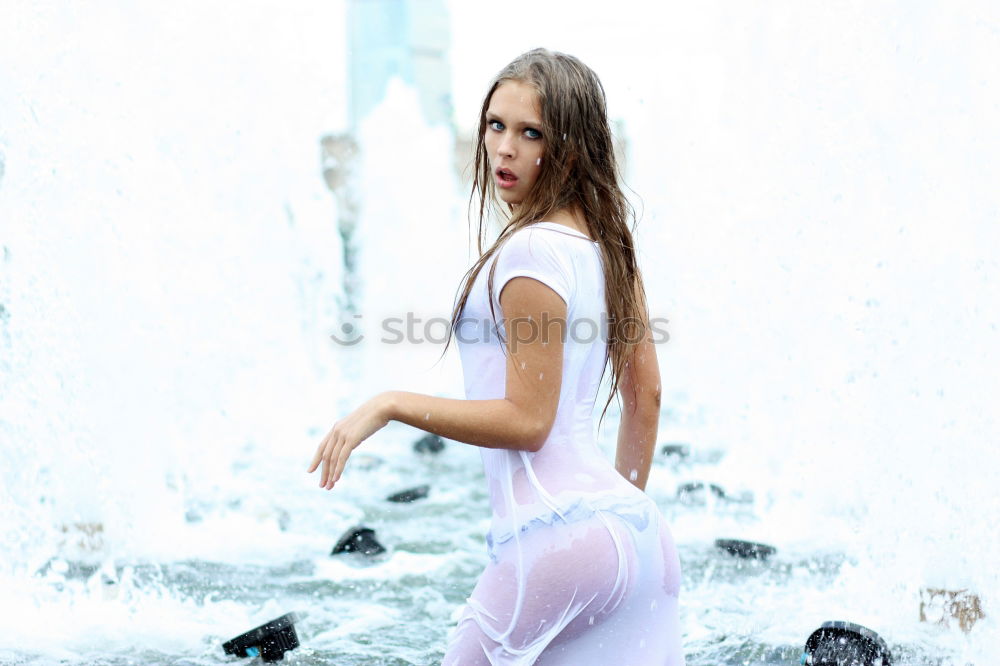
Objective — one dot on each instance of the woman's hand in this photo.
(346, 435)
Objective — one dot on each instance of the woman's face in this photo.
(513, 140)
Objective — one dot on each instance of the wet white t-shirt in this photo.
(560, 508)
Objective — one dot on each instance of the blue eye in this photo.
(498, 126)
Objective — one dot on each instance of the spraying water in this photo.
(168, 275)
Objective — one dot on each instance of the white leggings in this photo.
(597, 591)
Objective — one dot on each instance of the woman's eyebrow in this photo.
(495, 116)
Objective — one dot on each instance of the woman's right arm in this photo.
(639, 388)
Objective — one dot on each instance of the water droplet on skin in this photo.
(538, 161)
(427, 416)
(541, 374)
(523, 365)
(633, 475)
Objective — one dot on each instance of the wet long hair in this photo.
(578, 169)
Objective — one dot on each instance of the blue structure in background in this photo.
(404, 38)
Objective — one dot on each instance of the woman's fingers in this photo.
(321, 456)
(322, 472)
(331, 460)
(316, 458)
(343, 454)
(332, 454)
(331, 447)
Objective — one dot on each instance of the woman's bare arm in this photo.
(521, 420)
(639, 387)
(493, 424)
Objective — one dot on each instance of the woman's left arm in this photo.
(521, 420)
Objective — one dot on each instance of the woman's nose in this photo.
(506, 147)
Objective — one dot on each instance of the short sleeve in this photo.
(535, 254)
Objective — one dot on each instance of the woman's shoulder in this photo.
(547, 237)
(564, 230)
(540, 239)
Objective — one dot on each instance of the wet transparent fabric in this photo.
(582, 566)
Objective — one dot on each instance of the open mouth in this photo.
(506, 176)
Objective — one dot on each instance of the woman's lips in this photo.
(505, 179)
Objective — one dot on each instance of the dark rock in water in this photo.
(358, 540)
(694, 492)
(846, 644)
(746, 549)
(676, 450)
(410, 494)
(269, 641)
(693, 487)
(430, 443)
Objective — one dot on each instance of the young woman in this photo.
(583, 568)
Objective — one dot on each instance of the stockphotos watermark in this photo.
(411, 329)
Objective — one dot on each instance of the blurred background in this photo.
(194, 197)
